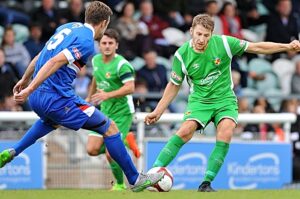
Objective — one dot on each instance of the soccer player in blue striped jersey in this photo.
(52, 97)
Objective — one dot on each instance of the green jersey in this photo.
(112, 76)
(208, 73)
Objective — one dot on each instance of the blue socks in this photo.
(117, 151)
(38, 130)
(98, 122)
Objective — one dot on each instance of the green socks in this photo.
(117, 172)
(169, 152)
(102, 149)
(216, 160)
(115, 168)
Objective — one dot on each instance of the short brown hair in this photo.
(97, 12)
(204, 20)
(112, 33)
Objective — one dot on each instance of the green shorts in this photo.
(123, 123)
(204, 113)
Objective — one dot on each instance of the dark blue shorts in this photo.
(54, 109)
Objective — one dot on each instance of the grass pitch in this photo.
(103, 194)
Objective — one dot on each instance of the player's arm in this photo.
(24, 81)
(271, 47)
(50, 67)
(47, 69)
(100, 95)
(171, 90)
(170, 93)
(126, 89)
(92, 90)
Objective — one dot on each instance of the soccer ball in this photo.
(165, 184)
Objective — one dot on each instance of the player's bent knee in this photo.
(185, 135)
(97, 123)
(112, 130)
(93, 148)
(92, 151)
(225, 135)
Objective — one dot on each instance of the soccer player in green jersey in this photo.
(205, 61)
(112, 86)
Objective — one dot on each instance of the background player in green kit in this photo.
(205, 61)
(112, 86)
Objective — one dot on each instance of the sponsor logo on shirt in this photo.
(103, 85)
(175, 76)
(195, 66)
(76, 53)
(210, 78)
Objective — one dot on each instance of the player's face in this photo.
(108, 46)
(200, 37)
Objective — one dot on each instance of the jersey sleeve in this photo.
(125, 71)
(177, 74)
(237, 46)
(79, 52)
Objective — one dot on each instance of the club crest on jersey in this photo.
(76, 53)
(187, 113)
(217, 61)
(107, 75)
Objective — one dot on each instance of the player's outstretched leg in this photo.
(6, 156)
(146, 180)
(99, 123)
(38, 130)
(169, 152)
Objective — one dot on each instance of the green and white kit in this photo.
(209, 76)
(112, 76)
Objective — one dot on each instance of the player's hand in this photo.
(295, 45)
(88, 99)
(99, 96)
(20, 86)
(21, 97)
(151, 118)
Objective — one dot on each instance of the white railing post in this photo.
(287, 131)
(140, 141)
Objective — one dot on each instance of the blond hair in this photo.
(97, 12)
(204, 20)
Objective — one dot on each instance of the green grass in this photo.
(101, 194)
